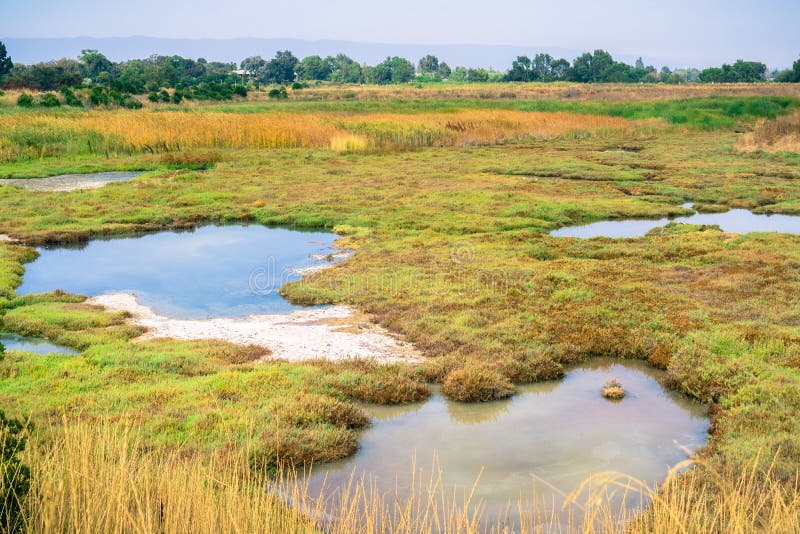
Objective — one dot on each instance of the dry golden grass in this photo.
(537, 91)
(168, 131)
(778, 135)
(478, 127)
(102, 479)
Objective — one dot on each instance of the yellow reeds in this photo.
(33, 135)
(478, 127)
(105, 479)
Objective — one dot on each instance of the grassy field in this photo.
(448, 202)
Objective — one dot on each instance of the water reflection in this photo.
(547, 439)
(736, 220)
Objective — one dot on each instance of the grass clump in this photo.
(369, 381)
(613, 390)
(476, 383)
(528, 367)
(310, 409)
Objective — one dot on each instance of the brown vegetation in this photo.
(541, 91)
(778, 135)
(613, 390)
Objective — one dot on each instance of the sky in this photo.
(697, 32)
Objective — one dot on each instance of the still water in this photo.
(212, 271)
(33, 344)
(544, 441)
(738, 221)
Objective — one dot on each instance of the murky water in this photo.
(542, 442)
(33, 344)
(213, 271)
(738, 221)
(71, 182)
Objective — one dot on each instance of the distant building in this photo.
(243, 74)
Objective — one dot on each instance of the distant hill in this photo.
(34, 50)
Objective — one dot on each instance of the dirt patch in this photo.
(332, 333)
(70, 182)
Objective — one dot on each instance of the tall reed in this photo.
(36, 135)
(103, 479)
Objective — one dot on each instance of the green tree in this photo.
(791, 75)
(393, 70)
(542, 67)
(588, 68)
(521, 70)
(5, 61)
(429, 65)
(559, 69)
(345, 70)
(741, 71)
(444, 71)
(459, 74)
(477, 75)
(94, 63)
(281, 68)
(315, 68)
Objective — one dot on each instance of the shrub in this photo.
(25, 101)
(130, 103)
(49, 100)
(177, 97)
(153, 97)
(15, 475)
(70, 98)
(278, 93)
(529, 367)
(477, 383)
(99, 97)
(164, 96)
(240, 90)
(613, 390)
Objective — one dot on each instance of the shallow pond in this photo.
(548, 438)
(737, 220)
(71, 182)
(33, 344)
(212, 271)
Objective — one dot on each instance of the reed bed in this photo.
(537, 91)
(40, 135)
(104, 479)
(480, 127)
(778, 135)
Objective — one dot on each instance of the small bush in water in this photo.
(613, 390)
(477, 383)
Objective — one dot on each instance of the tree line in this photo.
(215, 80)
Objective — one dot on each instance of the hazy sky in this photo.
(691, 31)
